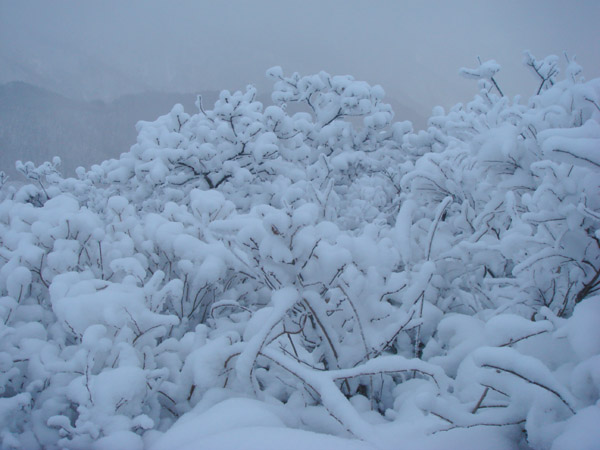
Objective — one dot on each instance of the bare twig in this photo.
(502, 424)
(438, 215)
(478, 405)
(540, 385)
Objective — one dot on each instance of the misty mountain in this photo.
(37, 124)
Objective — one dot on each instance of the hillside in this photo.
(36, 124)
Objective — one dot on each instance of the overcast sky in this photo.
(102, 49)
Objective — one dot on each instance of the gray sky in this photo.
(102, 49)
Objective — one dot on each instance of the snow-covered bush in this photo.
(352, 277)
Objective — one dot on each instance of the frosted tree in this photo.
(330, 264)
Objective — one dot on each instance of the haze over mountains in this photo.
(37, 124)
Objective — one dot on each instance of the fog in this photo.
(104, 49)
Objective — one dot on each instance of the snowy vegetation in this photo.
(329, 271)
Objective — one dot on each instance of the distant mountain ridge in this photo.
(37, 124)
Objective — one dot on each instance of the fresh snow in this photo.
(245, 277)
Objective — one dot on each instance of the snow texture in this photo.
(246, 277)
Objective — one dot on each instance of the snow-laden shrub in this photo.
(350, 274)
